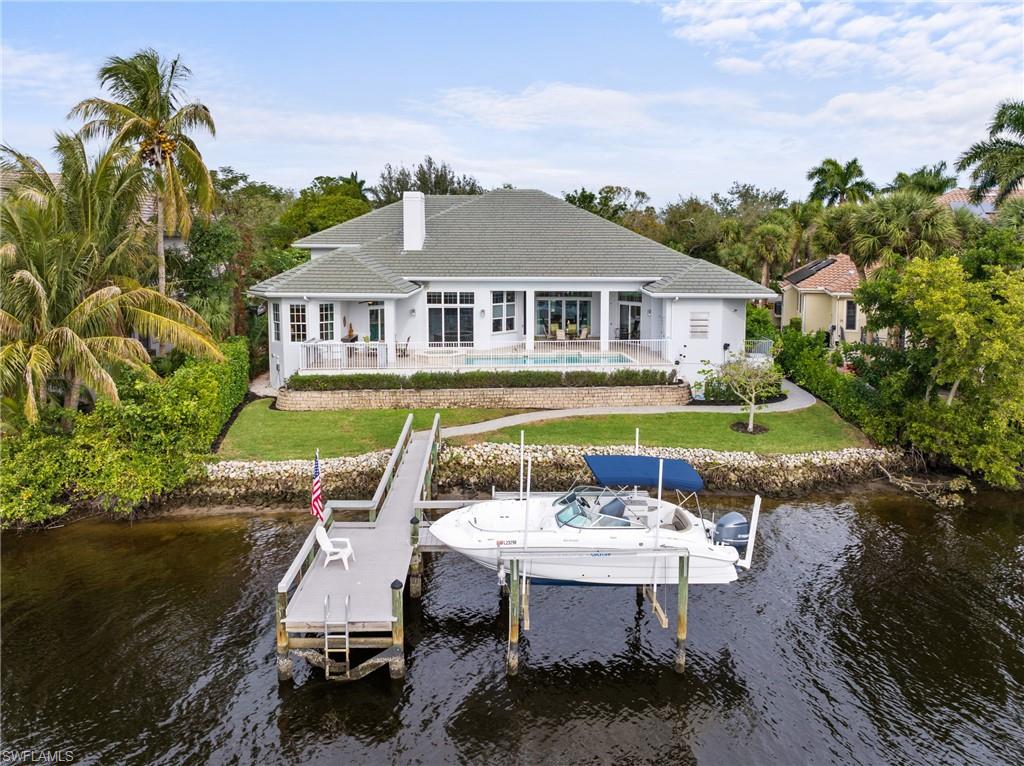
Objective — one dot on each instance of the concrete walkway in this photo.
(260, 385)
(796, 399)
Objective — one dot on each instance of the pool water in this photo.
(567, 358)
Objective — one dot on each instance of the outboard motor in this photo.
(733, 529)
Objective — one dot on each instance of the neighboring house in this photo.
(956, 199)
(820, 295)
(510, 279)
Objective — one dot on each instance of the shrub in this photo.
(120, 456)
(480, 379)
(761, 323)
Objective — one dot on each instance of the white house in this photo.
(509, 279)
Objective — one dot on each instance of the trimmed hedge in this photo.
(480, 379)
(121, 456)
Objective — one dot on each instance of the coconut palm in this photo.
(927, 180)
(67, 308)
(836, 183)
(998, 163)
(147, 111)
(893, 228)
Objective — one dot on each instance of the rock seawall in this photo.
(555, 467)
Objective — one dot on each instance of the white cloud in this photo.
(867, 26)
(737, 65)
(54, 78)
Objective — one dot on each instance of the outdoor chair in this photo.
(559, 334)
(402, 349)
(552, 330)
(584, 333)
(334, 548)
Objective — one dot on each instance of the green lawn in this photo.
(815, 428)
(260, 433)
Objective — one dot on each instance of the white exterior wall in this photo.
(407, 318)
(726, 324)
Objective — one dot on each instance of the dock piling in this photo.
(396, 665)
(512, 665)
(416, 562)
(284, 660)
(683, 603)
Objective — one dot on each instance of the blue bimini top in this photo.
(642, 471)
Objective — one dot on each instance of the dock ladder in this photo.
(343, 650)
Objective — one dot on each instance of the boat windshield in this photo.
(573, 515)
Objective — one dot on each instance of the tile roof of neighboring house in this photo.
(961, 198)
(510, 234)
(834, 275)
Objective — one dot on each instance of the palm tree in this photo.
(998, 163)
(927, 180)
(893, 228)
(803, 218)
(835, 231)
(147, 112)
(67, 308)
(836, 183)
(770, 245)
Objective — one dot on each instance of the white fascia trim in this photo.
(312, 294)
(722, 296)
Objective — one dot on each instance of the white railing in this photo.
(333, 356)
(760, 348)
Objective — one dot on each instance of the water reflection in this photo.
(872, 629)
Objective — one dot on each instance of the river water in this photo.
(872, 629)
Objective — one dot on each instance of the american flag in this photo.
(316, 501)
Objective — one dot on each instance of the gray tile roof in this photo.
(340, 271)
(376, 223)
(505, 233)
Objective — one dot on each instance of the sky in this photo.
(672, 99)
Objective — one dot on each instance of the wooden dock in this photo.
(335, 609)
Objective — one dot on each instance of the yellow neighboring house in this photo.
(820, 295)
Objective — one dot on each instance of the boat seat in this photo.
(679, 522)
(614, 507)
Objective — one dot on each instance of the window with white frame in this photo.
(275, 310)
(700, 324)
(297, 322)
(450, 317)
(503, 311)
(326, 321)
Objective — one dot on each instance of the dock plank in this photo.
(382, 555)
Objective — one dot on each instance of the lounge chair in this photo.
(584, 333)
(559, 334)
(334, 548)
(552, 330)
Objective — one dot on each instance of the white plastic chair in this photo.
(334, 548)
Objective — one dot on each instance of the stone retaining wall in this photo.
(510, 398)
(481, 466)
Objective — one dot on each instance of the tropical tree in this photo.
(147, 111)
(429, 177)
(893, 228)
(927, 180)
(68, 309)
(803, 219)
(326, 202)
(835, 231)
(998, 162)
(836, 183)
(771, 245)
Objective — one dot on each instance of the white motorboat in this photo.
(603, 535)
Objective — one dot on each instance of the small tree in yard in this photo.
(750, 382)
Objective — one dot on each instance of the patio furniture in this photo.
(559, 334)
(584, 333)
(570, 329)
(552, 330)
(334, 548)
(402, 349)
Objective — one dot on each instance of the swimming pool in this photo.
(559, 359)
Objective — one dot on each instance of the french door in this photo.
(629, 321)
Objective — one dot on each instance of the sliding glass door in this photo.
(566, 312)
